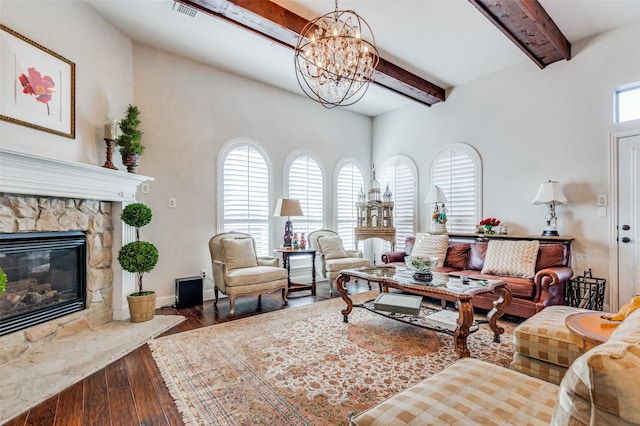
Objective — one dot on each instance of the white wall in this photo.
(104, 75)
(530, 125)
(188, 112)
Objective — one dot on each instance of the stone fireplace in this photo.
(39, 194)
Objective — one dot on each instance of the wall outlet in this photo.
(203, 273)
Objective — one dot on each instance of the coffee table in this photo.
(400, 278)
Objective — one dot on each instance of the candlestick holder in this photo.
(109, 164)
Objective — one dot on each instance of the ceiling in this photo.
(447, 42)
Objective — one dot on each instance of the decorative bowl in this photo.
(421, 266)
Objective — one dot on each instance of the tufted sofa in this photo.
(599, 388)
(530, 295)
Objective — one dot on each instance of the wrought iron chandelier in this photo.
(334, 61)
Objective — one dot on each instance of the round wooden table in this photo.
(588, 329)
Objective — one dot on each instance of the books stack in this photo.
(447, 320)
(398, 303)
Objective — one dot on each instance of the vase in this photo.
(131, 161)
(488, 229)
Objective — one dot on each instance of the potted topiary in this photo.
(139, 257)
(128, 141)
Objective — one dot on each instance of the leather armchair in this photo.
(237, 270)
(333, 256)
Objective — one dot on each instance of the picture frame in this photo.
(38, 86)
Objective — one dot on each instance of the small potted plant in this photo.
(129, 140)
(139, 257)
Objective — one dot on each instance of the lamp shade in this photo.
(288, 207)
(550, 192)
(436, 195)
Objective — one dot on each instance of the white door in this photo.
(628, 241)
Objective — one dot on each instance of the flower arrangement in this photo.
(488, 224)
(490, 221)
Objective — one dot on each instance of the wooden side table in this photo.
(286, 254)
(588, 329)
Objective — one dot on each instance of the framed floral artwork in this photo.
(38, 86)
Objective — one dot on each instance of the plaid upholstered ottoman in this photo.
(543, 345)
(599, 388)
(470, 392)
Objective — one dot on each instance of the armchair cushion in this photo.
(331, 247)
(431, 245)
(511, 258)
(239, 253)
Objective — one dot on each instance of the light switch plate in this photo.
(144, 188)
(602, 200)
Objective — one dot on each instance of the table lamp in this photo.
(439, 215)
(550, 193)
(288, 207)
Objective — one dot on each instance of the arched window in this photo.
(457, 169)
(306, 184)
(401, 174)
(245, 193)
(348, 183)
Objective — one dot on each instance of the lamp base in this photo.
(288, 235)
(438, 228)
(550, 233)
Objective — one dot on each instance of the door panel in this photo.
(628, 218)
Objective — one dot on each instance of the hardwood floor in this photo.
(130, 391)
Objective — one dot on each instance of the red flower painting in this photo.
(36, 85)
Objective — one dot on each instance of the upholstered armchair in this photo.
(237, 270)
(333, 256)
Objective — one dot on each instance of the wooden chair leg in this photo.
(285, 291)
(232, 298)
(215, 292)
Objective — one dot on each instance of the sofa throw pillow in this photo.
(511, 258)
(239, 253)
(431, 245)
(331, 247)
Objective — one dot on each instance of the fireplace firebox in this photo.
(46, 277)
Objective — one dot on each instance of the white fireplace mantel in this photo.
(34, 175)
(30, 174)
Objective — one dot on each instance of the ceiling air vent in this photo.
(181, 8)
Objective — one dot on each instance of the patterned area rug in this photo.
(305, 366)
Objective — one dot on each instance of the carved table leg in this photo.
(465, 320)
(341, 285)
(498, 310)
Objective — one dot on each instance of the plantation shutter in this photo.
(402, 182)
(348, 185)
(455, 172)
(246, 196)
(305, 185)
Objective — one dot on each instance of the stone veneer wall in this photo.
(20, 213)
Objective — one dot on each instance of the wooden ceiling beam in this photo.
(282, 26)
(529, 26)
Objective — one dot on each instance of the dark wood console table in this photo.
(286, 254)
(472, 237)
